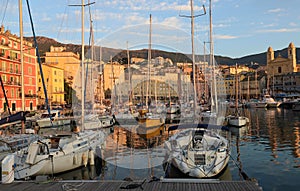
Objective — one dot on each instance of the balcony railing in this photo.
(31, 96)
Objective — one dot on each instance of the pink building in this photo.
(11, 73)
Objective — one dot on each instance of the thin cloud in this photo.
(278, 10)
(281, 30)
(225, 37)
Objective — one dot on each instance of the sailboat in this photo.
(58, 152)
(127, 116)
(237, 120)
(198, 150)
(149, 122)
(212, 116)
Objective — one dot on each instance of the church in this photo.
(283, 73)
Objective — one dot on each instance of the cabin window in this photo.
(279, 70)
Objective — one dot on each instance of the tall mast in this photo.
(149, 63)
(82, 59)
(82, 64)
(129, 74)
(192, 16)
(212, 60)
(236, 88)
(193, 56)
(21, 53)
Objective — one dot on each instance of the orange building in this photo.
(11, 72)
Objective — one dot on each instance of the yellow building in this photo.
(112, 75)
(240, 69)
(54, 82)
(68, 61)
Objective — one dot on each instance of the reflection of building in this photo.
(54, 82)
(10, 71)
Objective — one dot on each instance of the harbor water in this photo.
(267, 150)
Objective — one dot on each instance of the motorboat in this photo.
(271, 103)
(237, 121)
(198, 152)
(54, 119)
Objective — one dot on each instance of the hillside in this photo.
(44, 44)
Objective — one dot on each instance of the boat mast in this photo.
(21, 53)
(236, 89)
(129, 74)
(192, 17)
(212, 60)
(149, 62)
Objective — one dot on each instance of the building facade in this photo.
(54, 82)
(283, 73)
(12, 75)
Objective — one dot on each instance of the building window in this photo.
(3, 66)
(11, 68)
(54, 72)
(12, 93)
(17, 69)
(29, 70)
(279, 70)
(3, 78)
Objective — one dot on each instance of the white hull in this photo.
(203, 156)
(237, 121)
(44, 123)
(57, 154)
(257, 104)
(94, 122)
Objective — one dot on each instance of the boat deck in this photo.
(107, 185)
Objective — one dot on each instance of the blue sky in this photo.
(240, 27)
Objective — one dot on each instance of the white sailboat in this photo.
(199, 150)
(237, 120)
(212, 116)
(149, 122)
(56, 153)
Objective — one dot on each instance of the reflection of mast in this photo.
(238, 154)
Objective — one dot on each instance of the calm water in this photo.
(267, 150)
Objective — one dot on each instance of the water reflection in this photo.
(268, 149)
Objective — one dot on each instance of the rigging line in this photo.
(39, 62)
(62, 22)
(4, 12)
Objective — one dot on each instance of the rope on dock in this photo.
(71, 187)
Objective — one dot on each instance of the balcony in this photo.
(31, 96)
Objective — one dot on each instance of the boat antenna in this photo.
(39, 62)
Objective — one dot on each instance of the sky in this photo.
(239, 27)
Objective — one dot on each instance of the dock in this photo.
(112, 185)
